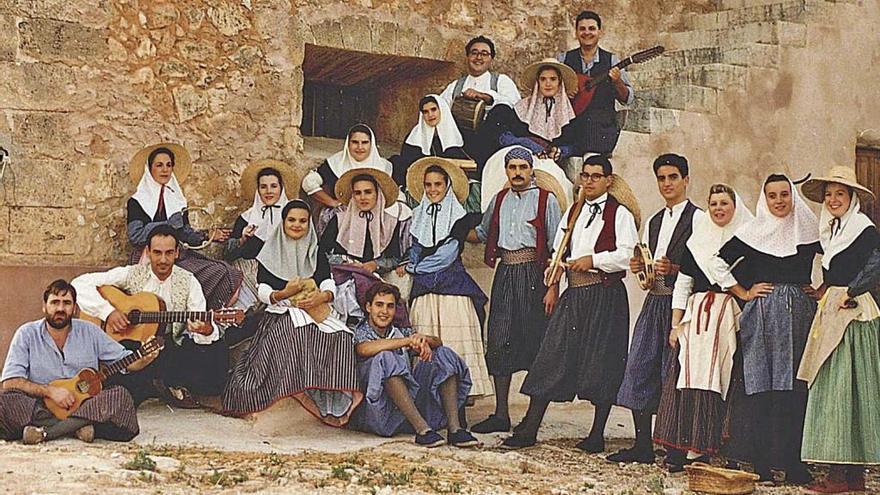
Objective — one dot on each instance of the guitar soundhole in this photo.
(134, 316)
(82, 386)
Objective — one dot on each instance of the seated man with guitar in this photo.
(195, 359)
(594, 105)
(52, 383)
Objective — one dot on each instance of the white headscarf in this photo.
(263, 216)
(422, 134)
(342, 161)
(287, 258)
(546, 122)
(707, 237)
(835, 236)
(432, 222)
(148, 190)
(354, 225)
(780, 237)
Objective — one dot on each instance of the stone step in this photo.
(716, 76)
(651, 120)
(791, 10)
(776, 33)
(746, 54)
(739, 4)
(679, 97)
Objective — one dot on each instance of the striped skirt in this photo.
(640, 390)
(516, 318)
(583, 352)
(284, 360)
(112, 413)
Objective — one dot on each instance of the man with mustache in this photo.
(54, 348)
(195, 358)
(515, 229)
(666, 236)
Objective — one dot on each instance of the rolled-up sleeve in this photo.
(625, 78)
(312, 182)
(89, 299)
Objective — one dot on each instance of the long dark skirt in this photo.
(219, 280)
(516, 318)
(583, 353)
(640, 390)
(284, 360)
(688, 419)
(112, 413)
(378, 414)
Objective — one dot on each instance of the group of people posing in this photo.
(357, 304)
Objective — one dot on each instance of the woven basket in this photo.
(704, 478)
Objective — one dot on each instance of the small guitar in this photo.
(89, 383)
(587, 84)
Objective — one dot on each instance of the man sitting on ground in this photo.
(401, 396)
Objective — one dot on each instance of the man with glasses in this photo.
(583, 353)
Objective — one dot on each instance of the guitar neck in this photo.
(623, 64)
(111, 369)
(173, 316)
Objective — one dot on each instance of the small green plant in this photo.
(340, 471)
(225, 478)
(656, 485)
(397, 478)
(141, 462)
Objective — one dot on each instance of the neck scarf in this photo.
(264, 216)
(287, 258)
(342, 161)
(422, 135)
(545, 116)
(707, 237)
(354, 225)
(432, 222)
(837, 234)
(150, 193)
(776, 236)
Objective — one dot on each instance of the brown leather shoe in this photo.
(32, 435)
(86, 434)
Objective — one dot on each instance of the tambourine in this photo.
(201, 219)
(646, 276)
(318, 313)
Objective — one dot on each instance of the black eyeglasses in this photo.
(592, 177)
(479, 53)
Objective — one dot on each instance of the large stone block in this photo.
(94, 13)
(161, 15)
(197, 50)
(328, 33)
(60, 41)
(229, 18)
(43, 134)
(409, 40)
(36, 86)
(46, 183)
(8, 38)
(49, 231)
(356, 34)
(4, 229)
(189, 102)
(384, 37)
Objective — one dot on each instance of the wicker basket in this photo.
(704, 478)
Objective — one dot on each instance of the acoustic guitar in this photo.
(89, 383)
(587, 84)
(146, 314)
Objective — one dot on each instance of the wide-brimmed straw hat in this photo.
(625, 196)
(814, 189)
(530, 75)
(386, 184)
(289, 176)
(415, 177)
(549, 183)
(182, 162)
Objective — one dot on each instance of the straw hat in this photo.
(289, 176)
(625, 196)
(416, 175)
(182, 162)
(530, 75)
(814, 189)
(548, 182)
(386, 183)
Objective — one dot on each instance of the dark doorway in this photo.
(868, 173)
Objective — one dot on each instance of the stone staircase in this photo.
(715, 53)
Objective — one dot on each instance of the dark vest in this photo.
(678, 241)
(538, 222)
(607, 240)
(602, 104)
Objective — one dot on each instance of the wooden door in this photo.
(868, 172)
(330, 110)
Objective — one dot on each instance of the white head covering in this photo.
(341, 161)
(545, 116)
(354, 225)
(148, 190)
(432, 222)
(835, 234)
(780, 237)
(707, 237)
(265, 217)
(422, 134)
(287, 258)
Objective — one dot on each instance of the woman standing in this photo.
(158, 171)
(774, 256)
(705, 320)
(300, 349)
(841, 363)
(446, 302)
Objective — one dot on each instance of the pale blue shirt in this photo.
(517, 210)
(34, 356)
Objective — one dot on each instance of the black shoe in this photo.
(798, 475)
(430, 439)
(492, 424)
(764, 474)
(592, 445)
(518, 441)
(463, 438)
(632, 455)
(672, 467)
